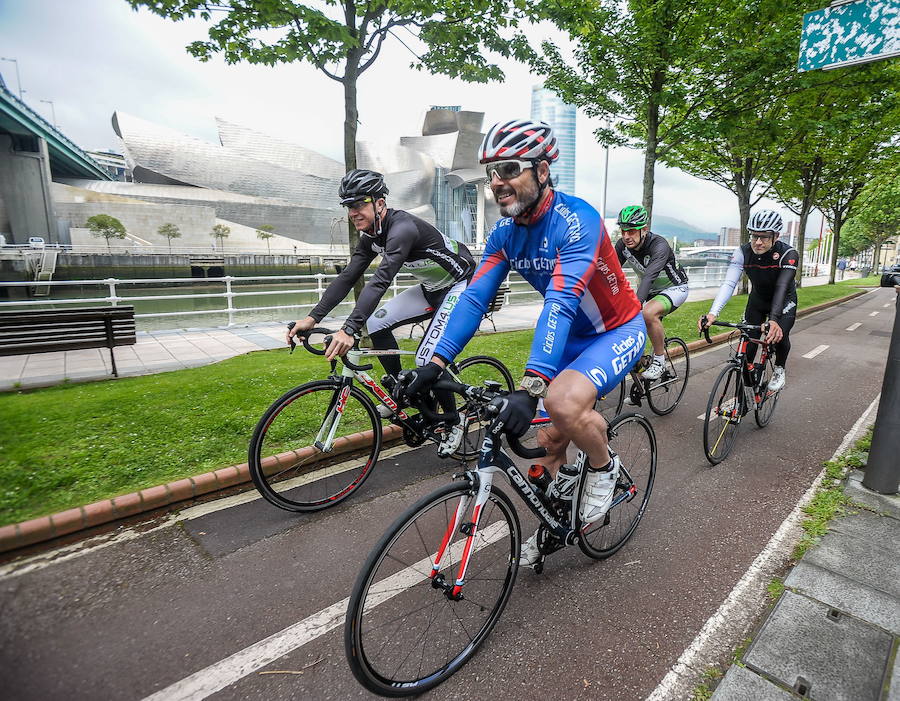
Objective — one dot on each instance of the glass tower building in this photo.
(548, 107)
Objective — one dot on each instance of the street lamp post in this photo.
(52, 111)
(605, 178)
(18, 77)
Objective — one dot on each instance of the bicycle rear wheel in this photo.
(766, 406)
(632, 437)
(664, 394)
(474, 371)
(307, 453)
(403, 634)
(724, 411)
(610, 405)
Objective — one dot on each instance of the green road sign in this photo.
(850, 32)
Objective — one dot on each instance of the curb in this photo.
(44, 528)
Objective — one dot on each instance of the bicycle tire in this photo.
(290, 471)
(668, 385)
(723, 414)
(394, 597)
(632, 437)
(473, 371)
(763, 411)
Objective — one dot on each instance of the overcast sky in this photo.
(92, 57)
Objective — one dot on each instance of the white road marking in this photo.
(889, 304)
(218, 676)
(816, 351)
(749, 595)
(874, 314)
(855, 326)
(727, 406)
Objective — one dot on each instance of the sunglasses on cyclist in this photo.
(357, 204)
(760, 237)
(507, 170)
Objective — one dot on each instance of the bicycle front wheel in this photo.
(724, 411)
(314, 447)
(664, 394)
(766, 406)
(632, 438)
(474, 371)
(405, 632)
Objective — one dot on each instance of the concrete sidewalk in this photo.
(835, 631)
(162, 351)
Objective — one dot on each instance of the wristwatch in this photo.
(535, 386)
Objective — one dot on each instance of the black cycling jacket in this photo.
(771, 277)
(406, 244)
(653, 257)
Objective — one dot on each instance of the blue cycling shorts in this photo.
(607, 358)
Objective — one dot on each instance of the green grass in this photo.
(73, 444)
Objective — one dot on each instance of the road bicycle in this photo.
(740, 387)
(662, 395)
(318, 443)
(438, 580)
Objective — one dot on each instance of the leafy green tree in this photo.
(107, 227)
(343, 39)
(876, 217)
(265, 233)
(221, 232)
(170, 231)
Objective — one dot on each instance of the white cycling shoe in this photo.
(451, 441)
(599, 488)
(384, 411)
(655, 370)
(530, 553)
(776, 383)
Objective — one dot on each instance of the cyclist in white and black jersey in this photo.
(405, 243)
(771, 266)
(663, 283)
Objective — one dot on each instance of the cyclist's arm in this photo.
(576, 264)
(659, 256)
(399, 243)
(620, 251)
(788, 271)
(474, 301)
(732, 277)
(343, 283)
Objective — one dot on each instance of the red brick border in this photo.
(38, 530)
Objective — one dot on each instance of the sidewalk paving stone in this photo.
(831, 654)
(740, 684)
(888, 504)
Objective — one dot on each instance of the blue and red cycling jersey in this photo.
(567, 256)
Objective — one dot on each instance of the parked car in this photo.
(35, 242)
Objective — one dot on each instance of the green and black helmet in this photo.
(633, 217)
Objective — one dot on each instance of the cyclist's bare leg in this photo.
(551, 439)
(570, 403)
(653, 314)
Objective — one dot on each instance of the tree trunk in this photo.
(650, 154)
(801, 241)
(742, 191)
(835, 242)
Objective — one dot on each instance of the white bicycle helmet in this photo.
(766, 220)
(522, 139)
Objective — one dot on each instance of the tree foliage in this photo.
(107, 227)
(264, 232)
(170, 231)
(876, 216)
(221, 232)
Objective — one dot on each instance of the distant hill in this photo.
(671, 227)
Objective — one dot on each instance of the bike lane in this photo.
(138, 616)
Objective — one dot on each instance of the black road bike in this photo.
(438, 580)
(318, 443)
(740, 387)
(664, 394)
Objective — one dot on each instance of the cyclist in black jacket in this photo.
(771, 266)
(408, 244)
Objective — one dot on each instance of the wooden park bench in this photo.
(49, 330)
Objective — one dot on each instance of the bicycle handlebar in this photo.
(304, 338)
(764, 327)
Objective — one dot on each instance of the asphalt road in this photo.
(129, 616)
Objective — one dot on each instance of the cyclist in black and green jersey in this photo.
(663, 283)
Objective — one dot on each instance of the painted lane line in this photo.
(728, 405)
(816, 351)
(889, 304)
(874, 314)
(855, 326)
(749, 595)
(232, 669)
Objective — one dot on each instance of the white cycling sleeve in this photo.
(732, 276)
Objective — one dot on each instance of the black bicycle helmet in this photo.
(361, 183)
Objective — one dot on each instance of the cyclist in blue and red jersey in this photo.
(590, 331)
